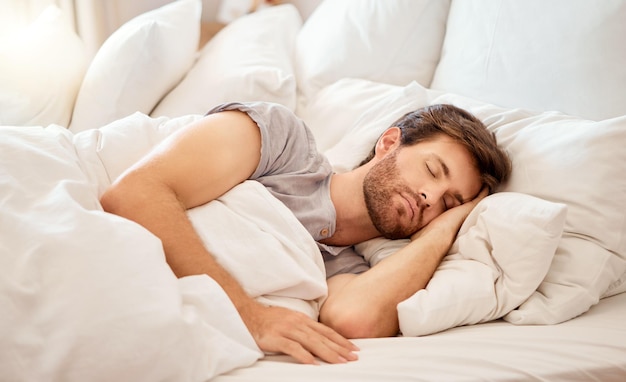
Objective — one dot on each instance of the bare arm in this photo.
(192, 167)
(365, 305)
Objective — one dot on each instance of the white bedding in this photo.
(60, 247)
(588, 348)
(87, 295)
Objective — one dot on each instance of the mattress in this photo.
(591, 347)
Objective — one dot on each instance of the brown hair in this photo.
(420, 125)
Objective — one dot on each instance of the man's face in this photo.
(410, 186)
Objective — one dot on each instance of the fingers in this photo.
(293, 333)
(323, 342)
(307, 344)
(328, 344)
(335, 337)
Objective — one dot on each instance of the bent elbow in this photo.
(358, 323)
(110, 200)
(122, 198)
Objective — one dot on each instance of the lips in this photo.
(411, 207)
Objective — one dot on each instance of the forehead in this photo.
(443, 145)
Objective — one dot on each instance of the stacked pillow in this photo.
(138, 64)
(250, 59)
(36, 94)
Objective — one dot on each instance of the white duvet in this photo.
(87, 295)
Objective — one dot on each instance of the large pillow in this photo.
(383, 41)
(249, 60)
(41, 69)
(371, 119)
(332, 111)
(580, 163)
(501, 254)
(565, 55)
(558, 158)
(138, 64)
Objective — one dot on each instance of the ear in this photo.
(388, 141)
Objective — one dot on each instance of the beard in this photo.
(380, 184)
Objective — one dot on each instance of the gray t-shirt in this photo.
(297, 174)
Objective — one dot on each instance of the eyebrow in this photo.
(446, 173)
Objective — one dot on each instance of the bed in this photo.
(533, 288)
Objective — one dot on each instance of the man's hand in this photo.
(453, 218)
(277, 329)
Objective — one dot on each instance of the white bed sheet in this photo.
(591, 347)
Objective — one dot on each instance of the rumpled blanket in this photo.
(88, 296)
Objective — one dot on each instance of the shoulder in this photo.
(287, 144)
(265, 114)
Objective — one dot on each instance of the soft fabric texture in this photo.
(93, 307)
(565, 55)
(354, 38)
(138, 64)
(501, 254)
(331, 112)
(113, 309)
(88, 295)
(589, 348)
(41, 69)
(249, 60)
(580, 163)
(262, 244)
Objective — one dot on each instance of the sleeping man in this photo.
(424, 175)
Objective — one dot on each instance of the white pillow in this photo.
(579, 163)
(501, 254)
(383, 41)
(332, 111)
(372, 119)
(565, 55)
(41, 68)
(138, 64)
(249, 60)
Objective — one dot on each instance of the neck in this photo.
(353, 222)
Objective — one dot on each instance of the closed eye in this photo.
(430, 170)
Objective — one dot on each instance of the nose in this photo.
(432, 195)
(426, 202)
